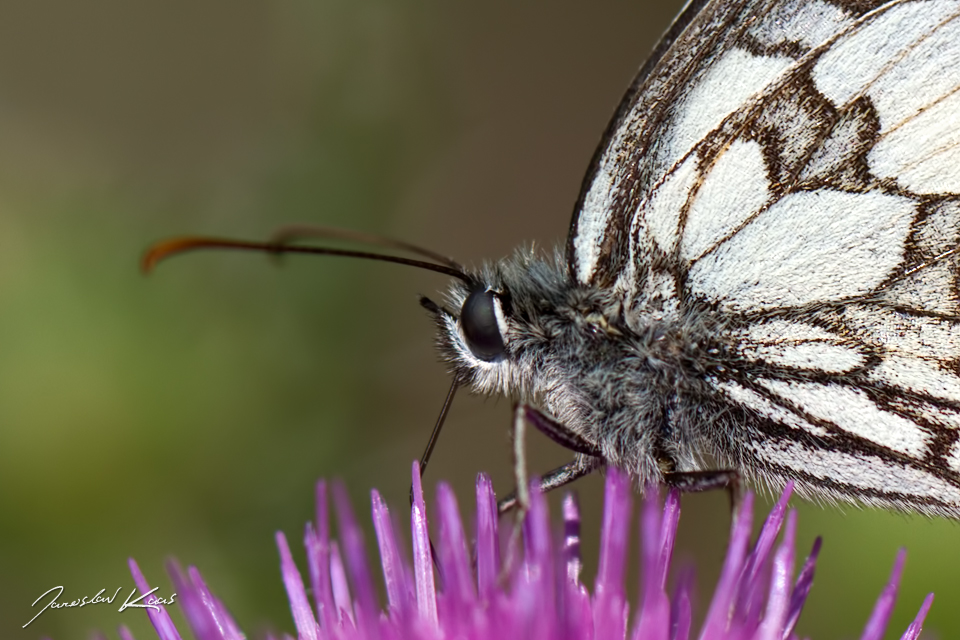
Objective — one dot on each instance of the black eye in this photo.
(478, 320)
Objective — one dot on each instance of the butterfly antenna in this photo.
(296, 232)
(175, 246)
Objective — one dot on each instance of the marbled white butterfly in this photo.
(761, 275)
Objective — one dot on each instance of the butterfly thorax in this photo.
(626, 383)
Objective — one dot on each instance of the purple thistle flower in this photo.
(481, 591)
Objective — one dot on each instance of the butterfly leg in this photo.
(524, 415)
(574, 470)
(559, 433)
(696, 481)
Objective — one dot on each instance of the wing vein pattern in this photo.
(788, 173)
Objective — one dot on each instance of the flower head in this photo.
(482, 592)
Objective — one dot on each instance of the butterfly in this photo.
(761, 275)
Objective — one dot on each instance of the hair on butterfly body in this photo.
(761, 277)
(628, 392)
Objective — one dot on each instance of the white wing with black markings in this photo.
(793, 167)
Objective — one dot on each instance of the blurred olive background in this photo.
(190, 412)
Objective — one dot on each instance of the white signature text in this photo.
(144, 601)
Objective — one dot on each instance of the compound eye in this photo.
(478, 320)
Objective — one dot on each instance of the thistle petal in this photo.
(541, 597)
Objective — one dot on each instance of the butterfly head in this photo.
(502, 329)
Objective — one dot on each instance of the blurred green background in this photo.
(190, 412)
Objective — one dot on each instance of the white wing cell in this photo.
(807, 247)
(717, 210)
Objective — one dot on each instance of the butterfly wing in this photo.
(713, 58)
(793, 168)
